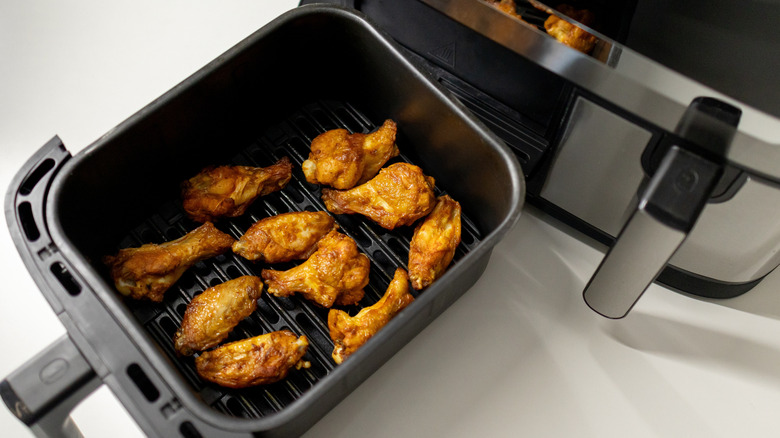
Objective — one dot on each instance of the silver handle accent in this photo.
(667, 210)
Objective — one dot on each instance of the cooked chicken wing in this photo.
(506, 6)
(350, 333)
(342, 160)
(570, 34)
(255, 361)
(285, 237)
(399, 195)
(336, 273)
(434, 242)
(213, 314)
(227, 191)
(148, 271)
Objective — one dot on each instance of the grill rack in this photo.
(386, 250)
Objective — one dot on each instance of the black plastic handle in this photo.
(44, 391)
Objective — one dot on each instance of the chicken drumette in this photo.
(284, 237)
(433, 243)
(148, 271)
(350, 333)
(335, 273)
(227, 191)
(398, 196)
(212, 315)
(341, 160)
(255, 361)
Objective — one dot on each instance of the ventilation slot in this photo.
(188, 430)
(141, 380)
(66, 280)
(28, 222)
(33, 178)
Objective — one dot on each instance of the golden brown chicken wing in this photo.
(570, 34)
(342, 160)
(336, 273)
(433, 243)
(398, 196)
(227, 191)
(506, 6)
(284, 237)
(148, 271)
(255, 361)
(350, 333)
(213, 314)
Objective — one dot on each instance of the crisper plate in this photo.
(387, 250)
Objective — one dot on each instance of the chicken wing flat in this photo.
(350, 333)
(212, 315)
(434, 242)
(227, 191)
(284, 237)
(571, 34)
(148, 271)
(335, 273)
(255, 361)
(398, 196)
(341, 160)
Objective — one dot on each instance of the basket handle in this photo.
(42, 392)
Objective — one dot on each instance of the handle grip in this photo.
(42, 392)
(667, 210)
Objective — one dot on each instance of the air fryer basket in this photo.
(315, 68)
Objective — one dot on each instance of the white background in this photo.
(519, 354)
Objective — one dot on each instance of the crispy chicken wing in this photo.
(284, 237)
(148, 271)
(570, 34)
(212, 315)
(350, 333)
(227, 191)
(342, 160)
(255, 361)
(434, 242)
(335, 273)
(506, 6)
(399, 195)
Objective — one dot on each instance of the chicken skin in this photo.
(570, 34)
(285, 237)
(148, 271)
(212, 315)
(398, 196)
(335, 273)
(254, 361)
(350, 333)
(341, 160)
(434, 242)
(227, 191)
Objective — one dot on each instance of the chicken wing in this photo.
(335, 273)
(212, 315)
(398, 196)
(571, 34)
(342, 160)
(285, 237)
(227, 191)
(148, 271)
(506, 6)
(255, 361)
(350, 333)
(433, 243)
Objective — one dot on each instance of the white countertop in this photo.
(519, 354)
